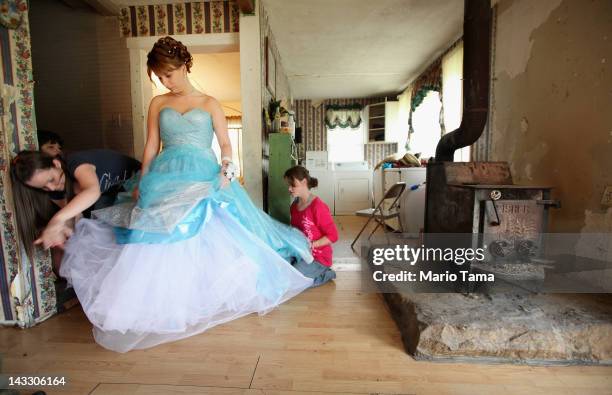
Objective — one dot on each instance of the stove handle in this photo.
(493, 216)
(549, 203)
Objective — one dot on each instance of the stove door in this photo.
(512, 229)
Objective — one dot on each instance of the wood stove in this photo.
(478, 205)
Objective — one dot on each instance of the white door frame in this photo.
(139, 80)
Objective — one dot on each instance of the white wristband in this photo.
(227, 158)
(230, 171)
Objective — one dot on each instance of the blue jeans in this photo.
(318, 272)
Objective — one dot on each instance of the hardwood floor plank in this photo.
(331, 339)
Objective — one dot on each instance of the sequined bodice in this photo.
(193, 128)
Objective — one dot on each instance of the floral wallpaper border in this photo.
(27, 290)
(201, 17)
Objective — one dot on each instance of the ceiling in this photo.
(359, 48)
(354, 48)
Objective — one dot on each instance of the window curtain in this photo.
(430, 80)
(427, 88)
(452, 100)
(234, 122)
(403, 119)
(343, 116)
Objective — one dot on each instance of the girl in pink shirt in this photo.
(312, 216)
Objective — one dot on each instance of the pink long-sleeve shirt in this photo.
(315, 221)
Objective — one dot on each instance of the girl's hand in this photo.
(228, 172)
(55, 234)
(224, 180)
(136, 194)
(322, 242)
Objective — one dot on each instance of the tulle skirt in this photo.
(222, 259)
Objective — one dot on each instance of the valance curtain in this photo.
(234, 122)
(343, 116)
(430, 80)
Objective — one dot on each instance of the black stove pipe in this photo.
(476, 76)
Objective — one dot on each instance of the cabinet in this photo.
(382, 122)
(281, 158)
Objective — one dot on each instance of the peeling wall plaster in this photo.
(552, 100)
(528, 15)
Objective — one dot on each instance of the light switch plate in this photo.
(606, 199)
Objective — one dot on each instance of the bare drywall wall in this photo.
(551, 111)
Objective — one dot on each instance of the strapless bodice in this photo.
(192, 128)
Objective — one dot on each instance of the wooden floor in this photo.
(332, 339)
(348, 227)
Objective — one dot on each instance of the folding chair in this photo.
(379, 214)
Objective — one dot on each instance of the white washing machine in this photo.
(353, 187)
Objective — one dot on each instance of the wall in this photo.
(250, 78)
(551, 101)
(279, 81)
(115, 96)
(273, 86)
(310, 115)
(81, 69)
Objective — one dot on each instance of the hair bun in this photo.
(168, 51)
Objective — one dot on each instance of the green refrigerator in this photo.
(281, 159)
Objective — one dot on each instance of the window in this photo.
(346, 144)
(426, 126)
(452, 97)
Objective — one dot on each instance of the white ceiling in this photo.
(355, 48)
(359, 48)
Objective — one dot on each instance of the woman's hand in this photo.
(136, 194)
(228, 172)
(55, 234)
(224, 181)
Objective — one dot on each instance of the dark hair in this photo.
(299, 173)
(47, 136)
(167, 53)
(33, 207)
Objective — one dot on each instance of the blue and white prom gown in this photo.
(187, 256)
